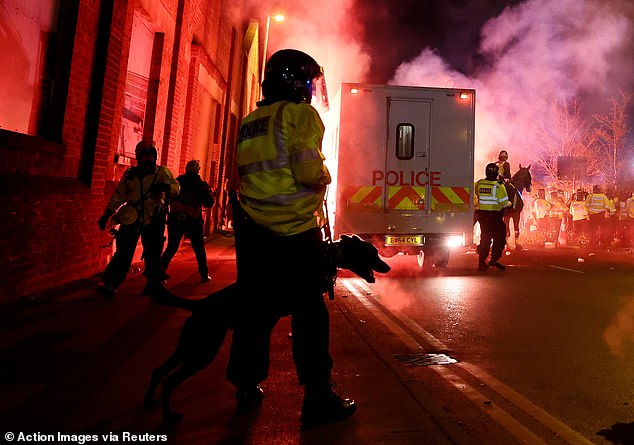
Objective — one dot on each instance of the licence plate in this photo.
(403, 240)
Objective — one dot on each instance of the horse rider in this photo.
(504, 166)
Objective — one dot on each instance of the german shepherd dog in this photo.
(205, 329)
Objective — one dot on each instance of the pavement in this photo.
(74, 363)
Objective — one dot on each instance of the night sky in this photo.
(399, 30)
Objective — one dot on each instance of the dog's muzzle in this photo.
(358, 256)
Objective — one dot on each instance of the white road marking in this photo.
(361, 291)
(564, 268)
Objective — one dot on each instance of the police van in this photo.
(405, 169)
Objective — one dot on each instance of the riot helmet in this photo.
(503, 156)
(491, 172)
(295, 76)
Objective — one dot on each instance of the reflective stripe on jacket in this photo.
(629, 205)
(622, 211)
(578, 210)
(133, 191)
(556, 209)
(282, 174)
(542, 207)
(490, 195)
(597, 203)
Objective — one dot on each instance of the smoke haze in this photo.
(529, 57)
(533, 55)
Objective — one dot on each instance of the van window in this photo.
(405, 141)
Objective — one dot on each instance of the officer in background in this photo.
(629, 209)
(622, 218)
(599, 207)
(579, 216)
(140, 200)
(492, 199)
(504, 166)
(555, 215)
(279, 247)
(186, 218)
(541, 210)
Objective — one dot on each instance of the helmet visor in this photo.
(319, 92)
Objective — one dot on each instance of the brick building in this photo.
(82, 82)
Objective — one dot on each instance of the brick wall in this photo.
(55, 192)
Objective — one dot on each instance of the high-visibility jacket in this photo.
(597, 203)
(629, 205)
(622, 211)
(134, 189)
(611, 208)
(542, 208)
(490, 195)
(505, 170)
(283, 178)
(556, 209)
(578, 210)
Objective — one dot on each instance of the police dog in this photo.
(205, 329)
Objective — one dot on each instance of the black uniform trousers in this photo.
(597, 225)
(279, 276)
(492, 234)
(152, 239)
(179, 225)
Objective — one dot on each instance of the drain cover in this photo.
(421, 359)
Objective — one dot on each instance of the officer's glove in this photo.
(160, 187)
(103, 221)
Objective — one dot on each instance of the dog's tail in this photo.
(224, 296)
(166, 298)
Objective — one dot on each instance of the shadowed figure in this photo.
(204, 331)
(520, 181)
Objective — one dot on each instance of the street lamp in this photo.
(277, 18)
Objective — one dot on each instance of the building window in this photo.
(405, 141)
(28, 36)
(136, 88)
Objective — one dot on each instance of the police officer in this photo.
(279, 247)
(599, 207)
(141, 195)
(579, 216)
(504, 166)
(555, 215)
(186, 218)
(492, 199)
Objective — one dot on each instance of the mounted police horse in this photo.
(521, 180)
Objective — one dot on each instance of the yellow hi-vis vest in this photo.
(542, 207)
(622, 211)
(556, 209)
(490, 195)
(135, 191)
(282, 173)
(597, 203)
(629, 205)
(578, 210)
